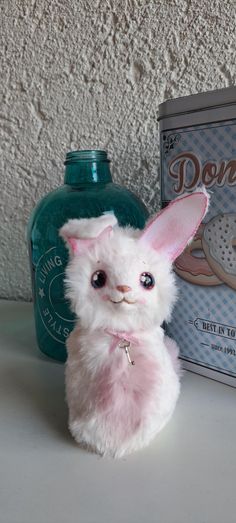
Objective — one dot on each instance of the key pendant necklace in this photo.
(125, 344)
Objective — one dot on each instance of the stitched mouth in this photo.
(123, 300)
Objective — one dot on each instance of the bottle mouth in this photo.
(89, 155)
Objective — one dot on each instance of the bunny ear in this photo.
(80, 235)
(171, 230)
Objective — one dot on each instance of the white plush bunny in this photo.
(122, 372)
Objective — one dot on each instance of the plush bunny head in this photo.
(121, 278)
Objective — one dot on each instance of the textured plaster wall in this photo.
(83, 74)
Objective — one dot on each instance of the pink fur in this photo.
(115, 407)
(125, 398)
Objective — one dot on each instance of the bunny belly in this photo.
(119, 408)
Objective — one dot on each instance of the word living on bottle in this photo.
(48, 266)
(53, 308)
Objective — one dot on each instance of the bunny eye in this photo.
(98, 279)
(147, 280)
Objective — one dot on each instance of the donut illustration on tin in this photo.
(217, 241)
(219, 245)
(195, 269)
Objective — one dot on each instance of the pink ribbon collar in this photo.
(119, 336)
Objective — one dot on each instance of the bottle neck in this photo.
(86, 167)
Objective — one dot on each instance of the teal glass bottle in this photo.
(88, 191)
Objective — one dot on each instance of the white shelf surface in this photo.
(188, 474)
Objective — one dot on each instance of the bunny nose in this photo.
(123, 288)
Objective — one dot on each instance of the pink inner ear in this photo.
(171, 230)
(104, 234)
(80, 245)
(73, 244)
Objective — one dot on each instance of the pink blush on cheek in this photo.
(105, 297)
(142, 301)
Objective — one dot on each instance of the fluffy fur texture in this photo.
(115, 407)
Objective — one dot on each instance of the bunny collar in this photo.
(123, 340)
(121, 336)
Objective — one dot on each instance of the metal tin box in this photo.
(198, 146)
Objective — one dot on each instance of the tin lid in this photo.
(197, 102)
